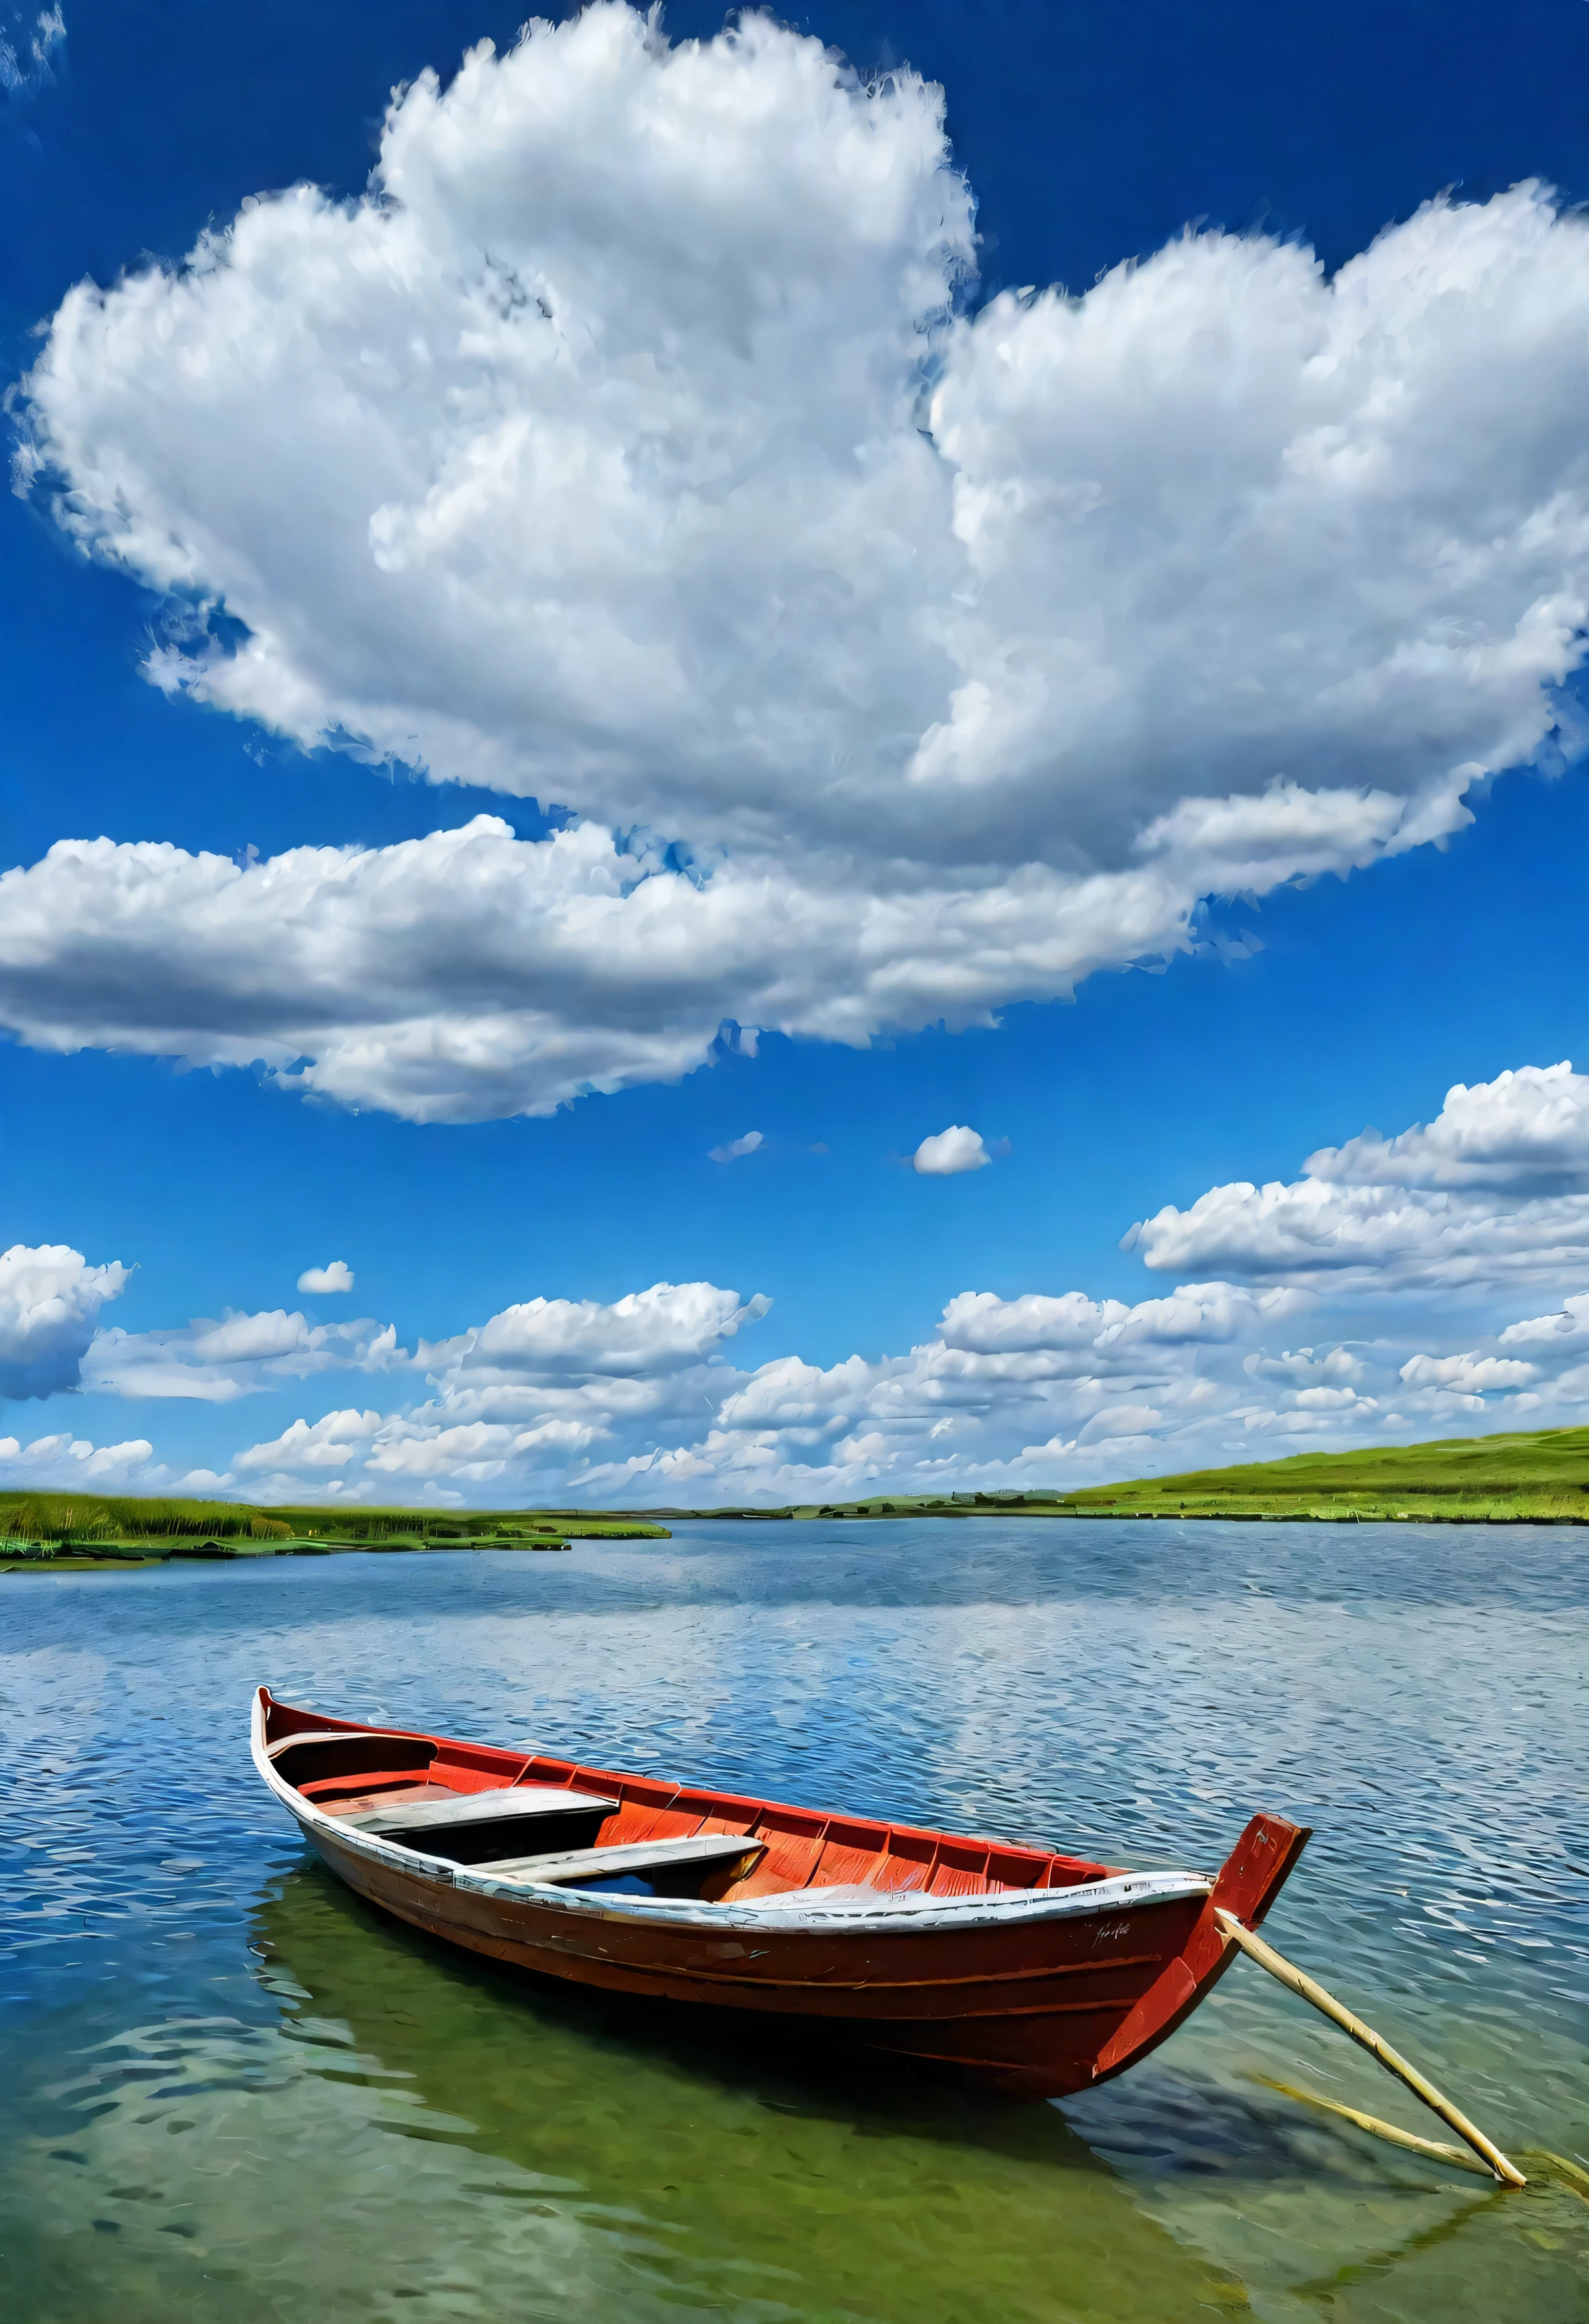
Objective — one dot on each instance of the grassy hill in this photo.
(1540, 1479)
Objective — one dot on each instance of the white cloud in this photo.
(956, 657)
(953, 1150)
(1558, 1333)
(985, 1324)
(670, 1327)
(1523, 1132)
(49, 1302)
(328, 1443)
(532, 1388)
(1468, 1374)
(1333, 1400)
(475, 1453)
(240, 1355)
(965, 1406)
(1336, 1368)
(1450, 1206)
(736, 1147)
(61, 1463)
(337, 1277)
(471, 974)
(1382, 1238)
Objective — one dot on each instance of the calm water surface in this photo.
(229, 2091)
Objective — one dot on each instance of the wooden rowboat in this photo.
(1039, 1972)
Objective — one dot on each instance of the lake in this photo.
(229, 2091)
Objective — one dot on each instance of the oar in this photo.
(1297, 1981)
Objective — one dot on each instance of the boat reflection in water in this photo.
(596, 2153)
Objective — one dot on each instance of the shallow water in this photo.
(229, 2091)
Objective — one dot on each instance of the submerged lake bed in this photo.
(228, 2090)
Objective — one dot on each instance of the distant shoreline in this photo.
(134, 1557)
(1540, 1478)
(1234, 1515)
(91, 1542)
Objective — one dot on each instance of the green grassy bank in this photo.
(78, 1530)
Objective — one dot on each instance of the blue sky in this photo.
(1329, 991)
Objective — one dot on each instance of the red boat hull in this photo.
(1017, 1972)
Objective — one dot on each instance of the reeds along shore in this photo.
(75, 1529)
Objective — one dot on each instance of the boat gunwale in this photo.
(1117, 1892)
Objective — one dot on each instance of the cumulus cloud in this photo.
(1060, 1406)
(926, 658)
(240, 1355)
(1306, 1371)
(669, 1328)
(953, 1150)
(735, 1147)
(476, 1452)
(328, 1443)
(470, 974)
(527, 1392)
(1466, 1373)
(49, 1303)
(1525, 1131)
(1453, 1204)
(1568, 1329)
(559, 1395)
(1382, 1238)
(985, 1324)
(62, 1463)
(337, 1277)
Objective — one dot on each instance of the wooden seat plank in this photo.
(345, 1805)
(638, 1856)
(502, 1804)
(384, 1786)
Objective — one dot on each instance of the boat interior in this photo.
(549, 1821)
